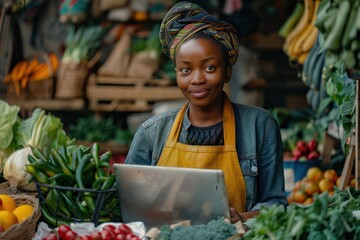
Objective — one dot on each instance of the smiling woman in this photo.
(209, 131)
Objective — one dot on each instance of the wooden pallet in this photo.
(123, 94)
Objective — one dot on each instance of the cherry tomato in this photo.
(120, 237)
(106, 235)
(131, 236)
(70, 235)
(125, 228)
(118, 231)
(62, 230)
(96, 235)
(109, 228)
(86, 237)
(51, 236)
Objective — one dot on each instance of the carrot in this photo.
(54, 61)
(21, 72)
(24, 82)
(32, 65)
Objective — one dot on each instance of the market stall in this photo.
(58, 181)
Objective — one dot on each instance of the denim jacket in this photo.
(258, 144)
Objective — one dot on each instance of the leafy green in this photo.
(41, 130)
(329, 217)
(8, 118)
(339, 106)
(214, 230)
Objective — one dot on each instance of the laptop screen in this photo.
(166, 195)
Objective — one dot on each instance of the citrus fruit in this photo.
(331, 175)
(338, 181)
(308, 200)
(314, 174)
(326, 185)
(311, 188)
(22, 212)
(299, 196)
(7, 202)
(7, 219)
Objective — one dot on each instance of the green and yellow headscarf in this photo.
(185, 19)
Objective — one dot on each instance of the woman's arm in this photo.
(139, 151)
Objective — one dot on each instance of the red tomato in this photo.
(125, 228)
(70, 235)
(109, 228)
(51, 236)
(118, 231)
(96, 235)
(86, 237)
(62, 230)
(120, 237)
(132, 236)
(106, 235)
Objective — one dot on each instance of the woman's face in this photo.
(201, 71)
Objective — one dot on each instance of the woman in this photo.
(209, 131)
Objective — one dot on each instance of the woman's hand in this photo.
(235, 216)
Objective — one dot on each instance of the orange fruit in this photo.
(7, 219)
(331, 175)
(338, 181)
(311, 188)
(326, 185)
(308, 200)
(314, 174)
(299, 196)
(352, 181)
(23, 212)
(7, 202)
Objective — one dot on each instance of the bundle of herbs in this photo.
(329, 217)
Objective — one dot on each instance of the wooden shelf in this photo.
(123, 94)
(49, 104)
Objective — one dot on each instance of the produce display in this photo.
(12, 213)
(41, 130)
(215, 229)
(316, 182)
(35, 68)
(306, 150)
(328, 217)
(106, 232)
(76, 185)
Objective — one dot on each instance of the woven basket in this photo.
(72, 78)
(26, 229)
(43, 89)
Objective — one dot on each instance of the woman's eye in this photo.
(210, 68)
(185, 70)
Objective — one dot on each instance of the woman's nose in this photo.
(198, 77)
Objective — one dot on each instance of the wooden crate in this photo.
(124, 94)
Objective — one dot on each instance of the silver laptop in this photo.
(165, 195)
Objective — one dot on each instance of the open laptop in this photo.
(158, 195)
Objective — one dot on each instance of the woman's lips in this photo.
(199, 93)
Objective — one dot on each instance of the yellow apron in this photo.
(209, 157)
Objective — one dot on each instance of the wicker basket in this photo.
(26, 229)
(102, 212)
(43, 89)
(72, 78)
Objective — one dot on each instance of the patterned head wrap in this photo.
(185, 19)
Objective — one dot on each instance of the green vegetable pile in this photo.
(329, 217)
(214, 230)
(99, 130)
(76, 185)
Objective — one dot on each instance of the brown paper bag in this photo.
(116, 65)
(143, 65)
